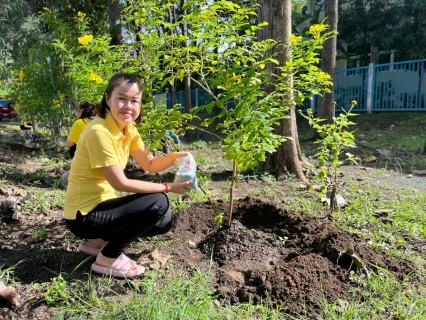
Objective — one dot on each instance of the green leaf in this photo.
(322, 174)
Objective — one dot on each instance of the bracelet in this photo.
(167, 187)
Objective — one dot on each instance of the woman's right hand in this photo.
(180, 187)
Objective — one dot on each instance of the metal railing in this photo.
(398, 86)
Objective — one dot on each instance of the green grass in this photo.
(208, 155)
(402, 223)
(382, 297)
(160, 295)
(402, 133)
(174, 294)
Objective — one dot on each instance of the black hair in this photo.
(88, 109)
(115, 81)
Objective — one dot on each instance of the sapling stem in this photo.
(210, 200)
(231, 193)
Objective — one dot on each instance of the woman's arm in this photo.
(156, 164)
(118, 180)
(69, 143)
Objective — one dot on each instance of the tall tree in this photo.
(371, 24)
(187, 79)
(19, 29)
(172, 84)
(328, 63)
(288, 157)
(114, 15)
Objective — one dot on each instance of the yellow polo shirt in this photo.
(76, 130)
(101, 145)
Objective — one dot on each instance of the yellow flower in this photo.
(84, 40)
(21, 75)
(81, 14)
(92, 77)
(99, 80)
(235, 77)
(46, 9)
(354, 102)
(12, 72)
(2, 82)
(293, 39)
(316, 28)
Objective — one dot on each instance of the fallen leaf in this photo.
(419, 172)
(154, 260)
(8, 294)
(370, 159)
(382, 212)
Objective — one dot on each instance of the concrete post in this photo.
(312, 102)
(370, 92)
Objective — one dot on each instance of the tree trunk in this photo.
(114, 16)
(56, 127)
(328, 64)
(172, 90)
(172, 86)
(288, 157)
(187, 79)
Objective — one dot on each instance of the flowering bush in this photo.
(39, 88)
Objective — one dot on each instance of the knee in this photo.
(162, 204)
(165, 223)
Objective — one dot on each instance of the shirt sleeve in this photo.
(136, 142)
(75, 132)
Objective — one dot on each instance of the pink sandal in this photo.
(123, 267)
(89, 248)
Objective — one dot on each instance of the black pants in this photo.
(122, 220)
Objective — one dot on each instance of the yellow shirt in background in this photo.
(77, 129)
(101, 145)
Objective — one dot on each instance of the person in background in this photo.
(93, 210)
(85, 113)
(25, 125)
(168, 145)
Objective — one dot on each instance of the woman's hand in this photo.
(180, 187)
(156, 164)
(178, 155)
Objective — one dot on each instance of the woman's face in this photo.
(125, 103)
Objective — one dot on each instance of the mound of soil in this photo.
(266, 253)
(271, 253)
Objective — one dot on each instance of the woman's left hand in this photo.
(180, 187)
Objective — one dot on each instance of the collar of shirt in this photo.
(113, 127)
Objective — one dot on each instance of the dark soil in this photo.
(266, 253)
